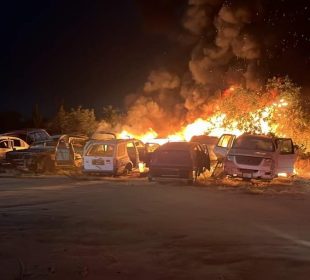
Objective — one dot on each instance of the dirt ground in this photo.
(56, 227)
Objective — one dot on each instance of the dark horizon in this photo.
(95, 54)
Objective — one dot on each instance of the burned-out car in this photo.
(61, 151)
(256, 156)
(114, 156)
(182, 160)
(29, 135)
(10, 143)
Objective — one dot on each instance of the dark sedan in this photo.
(183, 160)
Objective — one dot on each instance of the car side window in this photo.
(17, 143)
(224, 141)
(104, 150)
(4, 144)
(286, 146)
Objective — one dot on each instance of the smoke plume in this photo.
(225, 53)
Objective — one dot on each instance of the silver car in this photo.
(256, 156)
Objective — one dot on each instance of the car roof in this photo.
(111, 141)
(204, 139)
(179, 146)
(8, 137)
(262, 136)
(27, 130)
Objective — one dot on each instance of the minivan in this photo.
(256, 156)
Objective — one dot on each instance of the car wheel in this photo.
(150, 178)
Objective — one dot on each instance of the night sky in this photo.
(94, 53)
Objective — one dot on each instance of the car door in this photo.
(64, 154)
(223, 145)
(5, 146)
(286, 156)
(203, 158)
(141, 148)
(133, 152)
(19, 144)
(76, 148)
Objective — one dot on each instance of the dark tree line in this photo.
(74, 120)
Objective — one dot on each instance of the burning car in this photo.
(184, 160)
(256, 156)
(113, 156)
(60, 151)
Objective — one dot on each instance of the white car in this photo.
(113, 156)
(256, 156)
(10, 143)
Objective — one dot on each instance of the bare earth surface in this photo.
(55, 227)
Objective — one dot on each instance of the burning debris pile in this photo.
(223, 90)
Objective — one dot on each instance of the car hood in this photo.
(251, 153)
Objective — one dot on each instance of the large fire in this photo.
(218, 124)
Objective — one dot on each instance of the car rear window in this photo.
(102, 150)
(253, 143)
(176, 157)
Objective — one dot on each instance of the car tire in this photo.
(150, 178)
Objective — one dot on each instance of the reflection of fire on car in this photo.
(10, 143)
(256, 156)
(60, 151)
(184, 160)
(111, 156)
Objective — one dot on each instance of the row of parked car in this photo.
(247, 156)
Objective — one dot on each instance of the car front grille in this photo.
(248, 160)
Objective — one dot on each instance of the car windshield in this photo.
(254, 143)
(176, 157)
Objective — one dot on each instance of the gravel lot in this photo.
(56, 227)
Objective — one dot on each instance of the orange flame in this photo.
(216, 125)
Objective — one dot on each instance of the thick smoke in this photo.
(158, 107)
(225, 53)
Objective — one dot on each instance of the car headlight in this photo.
(230, 158)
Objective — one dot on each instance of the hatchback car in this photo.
(183, 160)
(256, 156)
(114, 156)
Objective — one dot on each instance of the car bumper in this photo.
(249, 172)
(171, 173)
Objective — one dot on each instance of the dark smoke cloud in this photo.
(224, 52)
